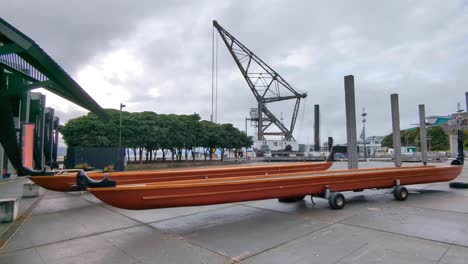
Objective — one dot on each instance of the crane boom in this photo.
(266, 85)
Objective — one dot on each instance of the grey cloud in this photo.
(416, 49)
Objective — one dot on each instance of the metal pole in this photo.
(351, 122)
(120, 133)
(120, 126)
(466, 101)
(460, 155)
(364, 133)
(364, 114)
(246, 125)
(396, 129)
(316, 127)
(423, 133)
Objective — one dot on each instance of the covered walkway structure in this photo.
(25, 66)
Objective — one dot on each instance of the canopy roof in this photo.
(21, 55)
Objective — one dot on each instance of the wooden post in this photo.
(351, 122)
(316, 127)
(423, 133)
(396, 130)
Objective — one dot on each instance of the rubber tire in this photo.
(400, 193)
(291, 199)
(458, 185)
(336, 201)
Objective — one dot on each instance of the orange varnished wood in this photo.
(64, 182)
(237, 189)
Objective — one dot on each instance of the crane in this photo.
(266, 85)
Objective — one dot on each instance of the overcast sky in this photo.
(156, 55)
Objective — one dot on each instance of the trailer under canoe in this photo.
(65, 182)
(238, 189)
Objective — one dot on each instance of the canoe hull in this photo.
(195, 193)
(64, 183)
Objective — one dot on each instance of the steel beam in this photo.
(265, 83)
(10, 48)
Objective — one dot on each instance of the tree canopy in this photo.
(150, 132)
(439, 140)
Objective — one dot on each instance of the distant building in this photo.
(373, 145)
(274, 145)
(458, 121)
(450, 124)
(437, 120)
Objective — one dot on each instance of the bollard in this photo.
(8, 209)
(30, 189)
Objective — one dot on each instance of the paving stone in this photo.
(108, 255)
(72, 248)
(444, 186)
(52, 227)
(455, 255)
(240, 231)
(418, 222)
(60, 204)
(88, 250)
(150, 245)
(149, 216)
(347, 244)
(355, 202)
(446, 200)
(88, 197)
(78, 228)
(29, 256)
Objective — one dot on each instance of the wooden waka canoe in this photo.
(237, 189)
(64, 182)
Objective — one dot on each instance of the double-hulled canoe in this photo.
(248, 188)
(65, 182)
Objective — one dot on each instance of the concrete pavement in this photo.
(430, 227)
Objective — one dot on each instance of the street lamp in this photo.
(120, 126)
(120, 132)
(364, 114)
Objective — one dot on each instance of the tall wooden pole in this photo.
(396, 129)
(351, 122)
(423, 133)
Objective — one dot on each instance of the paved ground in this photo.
(430, 227)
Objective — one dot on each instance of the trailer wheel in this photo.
(291, 199)
(400, 193)
(336, 201)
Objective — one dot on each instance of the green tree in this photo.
(410, 137)
(465, 138)
(388, 141)
(439, 139)
(209, 137)
(147, 132)
(89, 131)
